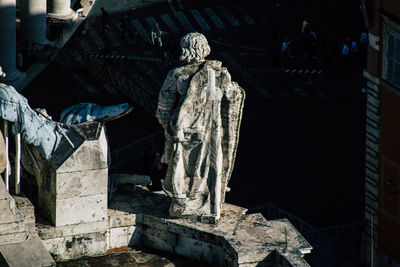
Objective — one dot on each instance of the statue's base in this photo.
(141, 218)
(193, 210)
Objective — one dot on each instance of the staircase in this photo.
(20, 246)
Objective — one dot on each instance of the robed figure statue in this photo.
(200, 109)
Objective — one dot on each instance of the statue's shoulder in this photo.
(215, 64)
(8, 92)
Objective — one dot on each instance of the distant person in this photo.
(285, 47)
(158, 173)
(305, 27)
(345, 55)
(354, 49)
(363, 38)
(363, 49)
(345, 50)
(124, 26)
(104, 18)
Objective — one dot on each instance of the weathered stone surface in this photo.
(72, 247)
(141, 218)
(11, 221)
(236, 239)
(29, 253)
(123, 237)
(117, 218)
(81, 209)
(81, 183)
(133, 257)
(91, 155)
(73, 182)
(200, 109)
(48, 232)
(13, 237)
(27, 210)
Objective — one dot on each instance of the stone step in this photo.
(11, 221)
(12, 237)
(30, 253)
(28, 212)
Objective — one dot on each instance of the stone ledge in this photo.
(141, 218)
(49, 232)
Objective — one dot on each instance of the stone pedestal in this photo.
(33, 21)
(26, 251)
(60, 9)
(73, 186)
(11, 221)
(8, 50)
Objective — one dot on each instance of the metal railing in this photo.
(137, 149)
(337, 245)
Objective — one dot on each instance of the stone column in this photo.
(8, 40)
(33, 21)
(60, 9)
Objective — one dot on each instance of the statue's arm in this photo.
(167, 99)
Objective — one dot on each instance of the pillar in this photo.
(33, 21)
(60, 9)
(8, 40)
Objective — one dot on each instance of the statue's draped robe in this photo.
(14, 108)
(201, 136)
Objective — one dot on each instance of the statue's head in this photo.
(194, 47)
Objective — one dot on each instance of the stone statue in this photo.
(44, 134)
(200, 109)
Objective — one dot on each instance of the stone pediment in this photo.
(89, 151)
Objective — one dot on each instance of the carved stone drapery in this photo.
(201, 130)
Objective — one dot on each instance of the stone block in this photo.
(81, 183)
(72, 247)
(119, 218)
(27, 211)
(8, 211)
(48, 232)
(90, 155)
(81, 209)
(135, 234)
(12, 238)
(202, 251)
(73, 187)
(123, 237)
(12, 227)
